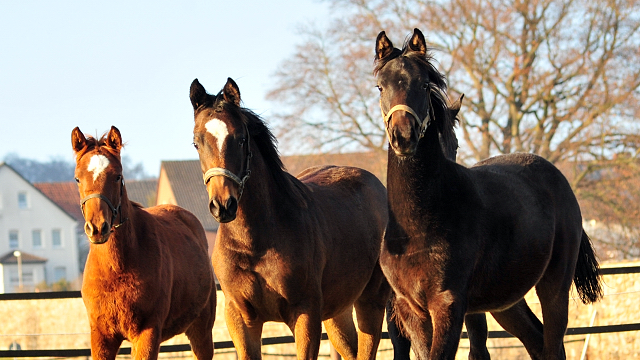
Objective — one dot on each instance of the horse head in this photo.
(221, 137)
(100, 182)
(412, 94)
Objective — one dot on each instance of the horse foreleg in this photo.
(342, 334)
(307, 331)
(401, 344)
(103, 348)
(147, 344)
(447, 312)
(370, 309)
(199, 332)
(246, 339)
(417, 325)
(478, 333)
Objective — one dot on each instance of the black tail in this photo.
(587, 278)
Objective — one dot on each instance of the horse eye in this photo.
(77, 180)
(196, 146)
(242, 141)
(425, 86)
(379, 88)
(118, 178)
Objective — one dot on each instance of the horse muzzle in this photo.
(224, 213)
(403, 138)
(97, 235)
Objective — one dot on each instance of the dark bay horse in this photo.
(477, 329)
(471, 240)
(148, 276)
(301, 251)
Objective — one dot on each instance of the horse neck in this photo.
(259, 202)
(122, 244)
(418, 187)
(423, 171)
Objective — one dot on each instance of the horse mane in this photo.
(444, 120)
(267, 145)
(96, 143)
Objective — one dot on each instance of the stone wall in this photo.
(63, 324)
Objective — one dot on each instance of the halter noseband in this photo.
(424, 123)
(115, 210)
(216, 171)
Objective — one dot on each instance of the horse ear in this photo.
(78, 141)
(417, 42)
(197, 94)
(114, 140)
(384, 46)
(231, 92)
(454, 109)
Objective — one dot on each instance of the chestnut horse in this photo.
(301, 251)
(471, 240)
(148, 276)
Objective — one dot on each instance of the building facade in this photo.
(39, 231)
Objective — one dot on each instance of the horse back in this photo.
(531, 223)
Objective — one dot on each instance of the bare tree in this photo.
(559, 78)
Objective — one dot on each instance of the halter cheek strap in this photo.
(114, 210)
(424, 123)
(216, 171)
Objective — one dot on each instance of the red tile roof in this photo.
(65, 194)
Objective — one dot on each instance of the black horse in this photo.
(476, 323)
(471, 240)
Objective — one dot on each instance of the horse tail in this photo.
(587, 277)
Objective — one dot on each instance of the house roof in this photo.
(66, 195)
(27, 258)
(70, 214)
(144, 192)
(185, 177)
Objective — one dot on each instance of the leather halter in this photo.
(217, 171)
(115, 210)
(423, 123)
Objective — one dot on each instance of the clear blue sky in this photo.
(130, 64)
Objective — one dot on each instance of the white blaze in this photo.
(97, 165)
(219, 130)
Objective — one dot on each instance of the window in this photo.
(13, 239)
(27, 277)
(56, 238)
(36, 237)
(59, 273)
(23, 202)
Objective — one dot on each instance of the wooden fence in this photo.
(272, 340)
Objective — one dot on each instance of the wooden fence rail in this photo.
(272, 340)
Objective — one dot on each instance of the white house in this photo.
(41, 231)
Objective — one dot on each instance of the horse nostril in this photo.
(214, 208)
(105, 229)
(88, 228)
(232, 205)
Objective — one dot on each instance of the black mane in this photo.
(267, 145)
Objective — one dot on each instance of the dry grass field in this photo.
(62, 324)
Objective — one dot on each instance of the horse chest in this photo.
(261, 286)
